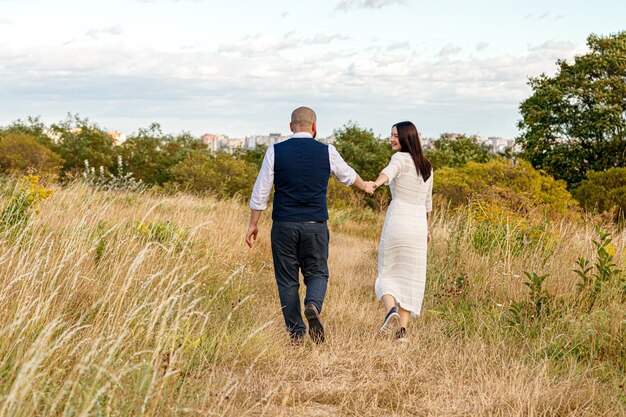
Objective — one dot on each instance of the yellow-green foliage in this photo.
(514, 186)
(340, 196)
(161, 231)
(20, 153)
(221, 175)
(25, 197)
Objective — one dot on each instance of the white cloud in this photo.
(361, 4)
(95, 33)
(553, 46)
(192, 88)
(5, 21)
(449, 50)
(481, 46)
(262, 44)
(324, 38)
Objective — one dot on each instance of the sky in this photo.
(239, 67)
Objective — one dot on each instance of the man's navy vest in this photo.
(301, 173)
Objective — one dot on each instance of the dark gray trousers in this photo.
(300, 246)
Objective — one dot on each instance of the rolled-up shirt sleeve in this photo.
(339, 168)
(394, 168)
(264, 182)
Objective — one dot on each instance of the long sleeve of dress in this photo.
(394, 168)
(429, 195)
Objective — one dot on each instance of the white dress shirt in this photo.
(264, 182)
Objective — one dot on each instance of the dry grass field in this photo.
(127, 304)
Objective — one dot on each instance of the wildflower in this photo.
(610, 249)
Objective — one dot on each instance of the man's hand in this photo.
(369, 187)
(253, 230)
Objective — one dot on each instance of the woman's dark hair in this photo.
(410, 142)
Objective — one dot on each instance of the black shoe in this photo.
(401, 335)
(316, 329)
(392, 320)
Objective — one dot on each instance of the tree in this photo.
(81, 140)
(457, 150)
(575, 121)
(253, 156)
(178, 147)
(150, 154)
(367, 154)
(20, 153)
(363, 151)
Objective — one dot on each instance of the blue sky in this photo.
(239, 67)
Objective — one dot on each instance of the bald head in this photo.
(303, 119)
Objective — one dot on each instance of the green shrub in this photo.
(514, 186)
(342, 197)
(221, 175)
(602, 273)
(495, 229)
(21, 153)
(253, 156)
(24, 199)
(604, 191)
(165, 232)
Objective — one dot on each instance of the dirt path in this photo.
(437, 373)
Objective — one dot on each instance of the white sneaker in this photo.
(392, 321)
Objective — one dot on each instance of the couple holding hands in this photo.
(299, 169)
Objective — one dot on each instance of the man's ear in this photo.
(291, 127)
(314, 129)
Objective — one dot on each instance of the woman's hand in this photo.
(370, 187)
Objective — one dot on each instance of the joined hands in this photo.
(370, 187)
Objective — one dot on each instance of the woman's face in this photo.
(393, 139)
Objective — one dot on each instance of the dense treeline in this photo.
(76, 148)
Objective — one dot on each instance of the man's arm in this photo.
(366, 186)
(253, 229)
(260, 194)
(346, 174)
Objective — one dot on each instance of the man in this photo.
(299, 169)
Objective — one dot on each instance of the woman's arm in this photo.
(429, 203)
(391, 171)
(381, 180)
(428, 227)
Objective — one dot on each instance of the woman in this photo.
(405, 237)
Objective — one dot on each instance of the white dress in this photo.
(403, 244)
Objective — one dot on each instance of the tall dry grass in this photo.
(121, 304)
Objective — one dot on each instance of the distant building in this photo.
(117, 137)
(328, 140)
(498, 144)
(494, 144)
(53, 135)
(427, 143)
(215, 143)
